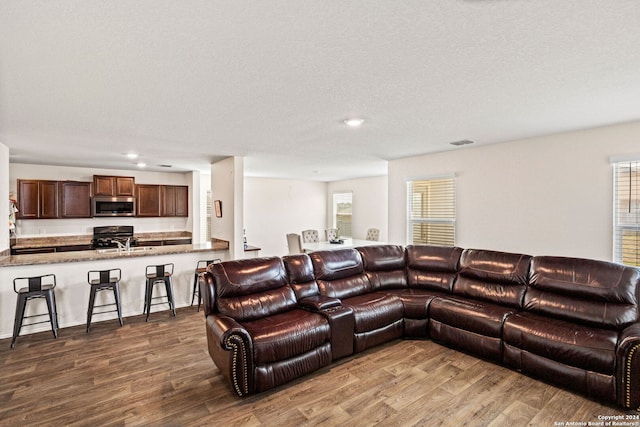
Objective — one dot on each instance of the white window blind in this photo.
(626, 239)
(432, 211)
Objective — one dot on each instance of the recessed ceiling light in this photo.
(141, 164)
(354, 122)
(463, 142)
(132, 155)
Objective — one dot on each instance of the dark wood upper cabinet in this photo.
(28, 199)
(104, 185)
(168, 194)
(75, 199)
(175, 200)
(37, 199)
(182, 200)
(148, 200)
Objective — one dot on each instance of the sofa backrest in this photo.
(599, 293)
(498, 277)
(300, 272)
(340, 273)
(384, 266)
(251, 289)
(432, 267)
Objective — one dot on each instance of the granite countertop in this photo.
(93, 255)
(85, 239)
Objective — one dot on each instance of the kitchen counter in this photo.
(100, 254)
(72, 290)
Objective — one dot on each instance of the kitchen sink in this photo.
(134, 249)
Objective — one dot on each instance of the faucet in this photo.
(128, 244)
(120, 245)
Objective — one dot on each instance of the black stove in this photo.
(106, 237)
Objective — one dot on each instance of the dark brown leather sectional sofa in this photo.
(568, 321)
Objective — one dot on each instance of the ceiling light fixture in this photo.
(141, 164)
(354, 122)
(132, 155)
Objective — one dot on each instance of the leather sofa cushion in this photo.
(285, 335)
(382, 257)
(415, 301)
(249, 276)
(591, 349)
(374, 310)
(345, 288)
(300, 272)
(479, 317)
(432, 267)
(250, 289)
(336, 264)
(273, 374)
(598, 293)
(262, 304)
(497, 277)
(385, 266)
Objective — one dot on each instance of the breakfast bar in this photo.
(72, 290)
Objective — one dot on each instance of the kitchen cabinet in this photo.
(37, 199)
(174, 200)
(104, 185)
(75, 199)
(148, 203)
(73, 248)
(28, 251)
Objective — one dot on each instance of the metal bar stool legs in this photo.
(103, 280)
(156, 274)
(201, 267)
(37, 287)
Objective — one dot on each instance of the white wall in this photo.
(4, 196)
(227, 185)
(275, 207)
(550, 195)
(79, 226)
(370, 204)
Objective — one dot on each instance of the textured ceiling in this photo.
(188, 82)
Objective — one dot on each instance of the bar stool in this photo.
(104, 280)
(201, 267)
(158, 274)
(36, 287)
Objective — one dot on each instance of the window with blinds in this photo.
(432, 211)
(626, 186)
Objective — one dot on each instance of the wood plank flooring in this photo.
(160, 374)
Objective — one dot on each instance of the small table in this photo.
(328, 246)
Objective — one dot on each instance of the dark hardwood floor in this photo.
(160, 374)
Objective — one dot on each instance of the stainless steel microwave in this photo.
(113, 206)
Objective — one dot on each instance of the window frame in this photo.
(334, 213)
(631, 255)
(431, 220)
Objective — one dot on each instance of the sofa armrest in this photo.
(207, 292)
(342, 322)
(231, 348)
(317, 303)
(628, 367)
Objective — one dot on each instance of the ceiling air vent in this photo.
(463, 142)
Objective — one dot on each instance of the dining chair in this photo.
(310, 236)
(295, 244)
(331, 234)
(373, 234)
